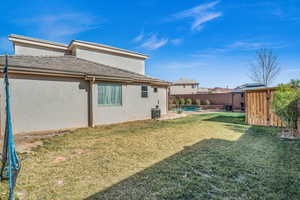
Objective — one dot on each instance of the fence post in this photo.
(298, 121)
(268, 107)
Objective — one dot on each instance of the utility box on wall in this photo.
(155, 113)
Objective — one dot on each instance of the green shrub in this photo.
(170, 103)
(188, 101)
(198, 102)
(181, 101)
(295, 83)
(207, 102)
(176, 102)
(173, 100)
(284, 104)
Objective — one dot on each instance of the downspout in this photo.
(168, 97)
(91, 102)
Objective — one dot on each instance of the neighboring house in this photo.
(184, 86)
(187, 86)
(57, 86)
(220, 90)
(202, 90)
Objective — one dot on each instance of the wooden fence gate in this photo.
(259, 108)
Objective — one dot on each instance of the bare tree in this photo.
(265, 67)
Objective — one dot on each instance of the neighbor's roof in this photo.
(260, 89)
(249, 86)
(185, 81)
(76, 66)
(221, 90)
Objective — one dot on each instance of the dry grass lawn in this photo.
(121, 161)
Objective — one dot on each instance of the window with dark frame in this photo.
(144, 91)
(155, 89)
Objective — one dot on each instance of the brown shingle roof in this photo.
(72, 64)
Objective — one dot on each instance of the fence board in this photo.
(259, 108)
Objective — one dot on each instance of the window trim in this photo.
(110, 84)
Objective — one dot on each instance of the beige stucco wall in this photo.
(122, 62)
(180, 89)
(133, 107)
(44, 103)
(33, 50)
(40, 104)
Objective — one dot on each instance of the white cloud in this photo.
(5, 45)
(177, 41)
(203, 19)
(247, 45)
(241, 46)
(139, 38)
(182, 65)
(153, 42)
(292, 70)
(60, 27)
(196, 10)
(201, 14)
(209, 53)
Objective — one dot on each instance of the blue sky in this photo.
(210, 41)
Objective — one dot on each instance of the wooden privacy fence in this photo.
(259, 108)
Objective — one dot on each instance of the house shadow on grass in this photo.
(257, 166)
(232, 118)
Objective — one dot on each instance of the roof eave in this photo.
(32, 41)
(106, 48)
(19, 70)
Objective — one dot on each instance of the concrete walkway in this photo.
(174, 115)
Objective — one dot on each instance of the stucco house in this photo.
(186, 86)
(58, 86)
